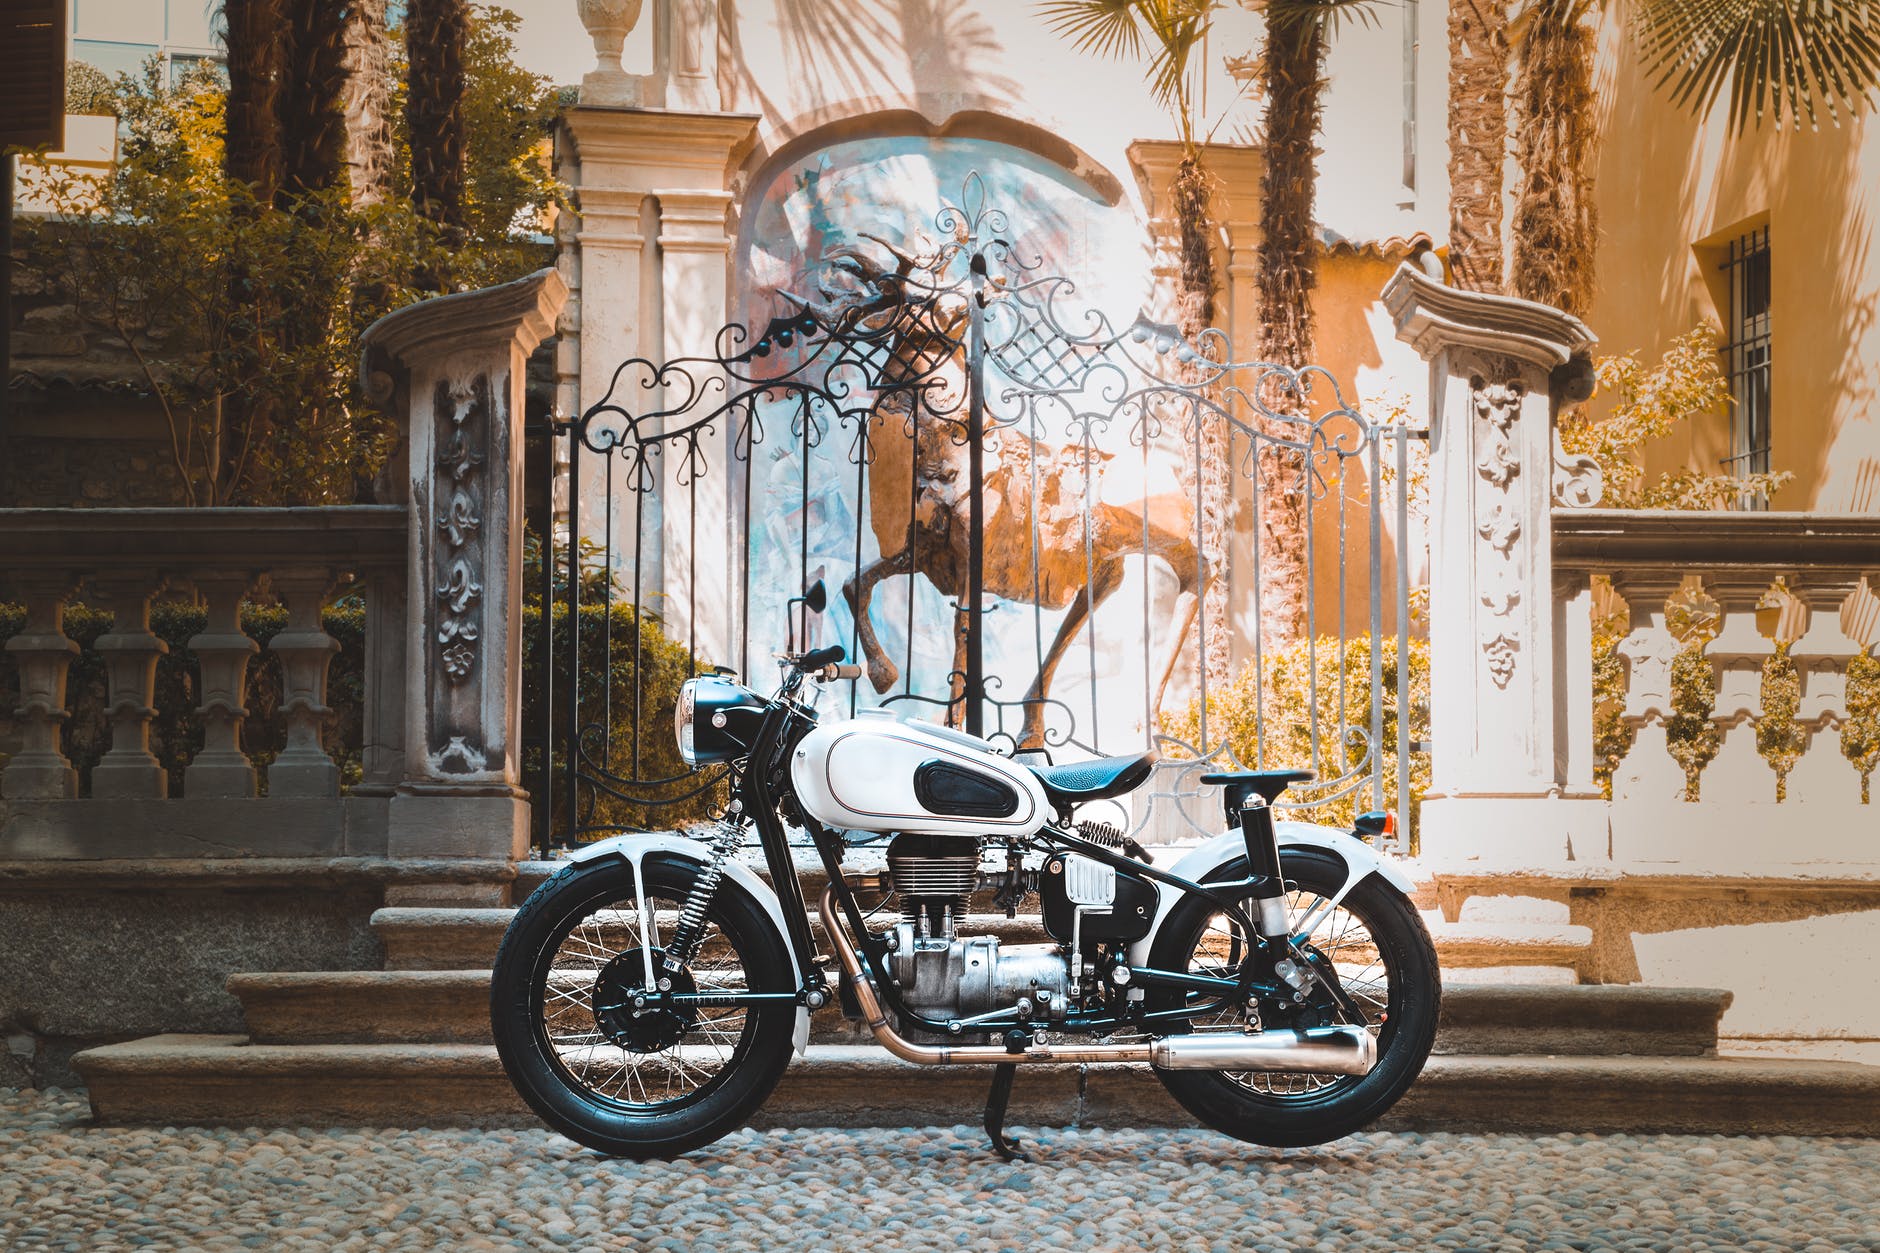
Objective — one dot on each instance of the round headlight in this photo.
(682, 721)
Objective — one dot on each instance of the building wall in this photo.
(1672, 191)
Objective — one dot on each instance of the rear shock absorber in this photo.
(727, 835)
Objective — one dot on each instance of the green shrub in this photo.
(1283, 722)
(625, 683)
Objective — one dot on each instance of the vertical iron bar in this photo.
(542, 730)
(1405, 835)
(607, 637)
(1373, 436)
(639, 598)
(744, 602)
(976, 505)
(572, 765)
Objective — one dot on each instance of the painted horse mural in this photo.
(1058, 529)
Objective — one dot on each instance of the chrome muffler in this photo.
(1317, 1050)
(1314, 1051)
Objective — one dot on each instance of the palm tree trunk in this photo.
(251, 151)
(365, 102)
(313, 127)
(435, 31)
(1207, 475)
(1292, 66)
(1555, 226)
(1478, 139)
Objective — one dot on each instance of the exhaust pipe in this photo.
(1317, 1050)
(1314, 1051)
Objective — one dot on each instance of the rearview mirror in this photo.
(816, 599)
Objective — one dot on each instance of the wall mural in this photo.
(812, 496)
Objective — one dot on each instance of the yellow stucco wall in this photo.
(1668, 183)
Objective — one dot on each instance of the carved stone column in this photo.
(130, 652)
(41, 770)
(222, 652)
(306, 651)
(1500, 369)
(454, 366)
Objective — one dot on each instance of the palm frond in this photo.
(1329, 16)
(1792, 59)
(1107, 28)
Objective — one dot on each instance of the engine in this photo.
(942, 975)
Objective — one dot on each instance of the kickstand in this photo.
(996, 1100)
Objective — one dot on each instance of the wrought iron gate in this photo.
(977, 467)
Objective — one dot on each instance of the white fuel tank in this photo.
(876, 773)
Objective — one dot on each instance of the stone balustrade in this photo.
(126, 560)
(1746, 678)
(438, 567)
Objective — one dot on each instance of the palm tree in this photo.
(1478, 138)
(313, 124)
(435, 31)
(1292, 72)
(251, 152)
(1168, 32)
(1781, 61)
(367, 95)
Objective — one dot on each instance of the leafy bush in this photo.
(88, 90)
(630, 673)
(1283, 722)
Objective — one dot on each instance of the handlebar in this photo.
(811, 662)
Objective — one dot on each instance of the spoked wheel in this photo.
(610, 1064)
(1376, 948)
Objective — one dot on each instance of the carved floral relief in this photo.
(1501, 559)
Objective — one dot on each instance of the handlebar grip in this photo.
(810, 662)
(832, 673)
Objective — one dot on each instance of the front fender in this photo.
(1360, 860)
(633, 847)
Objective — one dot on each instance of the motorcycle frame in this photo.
(786, 722)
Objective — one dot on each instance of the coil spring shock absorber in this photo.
(690, 932)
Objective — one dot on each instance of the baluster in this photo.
(306, 651)
(130, 653)
(222, 651)
(41, 770)
(1823, 776)
(1739, 774)
(1647, 771)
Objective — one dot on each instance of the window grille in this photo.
(1746, 356)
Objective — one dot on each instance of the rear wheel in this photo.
(1382, 957)
(632, 1080)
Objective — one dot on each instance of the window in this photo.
(1746, 352)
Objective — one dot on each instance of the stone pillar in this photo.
(1500, 772)
(130, 652)
(696, 537)
(306, 651)
(637, 300)
(454, 367)
(41, 770)
(222, 652)
(382, 753)
(690, 61)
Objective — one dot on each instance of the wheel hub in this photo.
(633, 1018)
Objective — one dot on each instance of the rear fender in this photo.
(633, 848)
(1360, 861)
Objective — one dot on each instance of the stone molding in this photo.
(1432, 316)
(1617, 540)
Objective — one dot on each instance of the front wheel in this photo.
(633, 1080)
(1376, 946)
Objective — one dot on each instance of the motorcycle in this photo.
(647, 998)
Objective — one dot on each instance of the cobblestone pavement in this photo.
(65, 1185)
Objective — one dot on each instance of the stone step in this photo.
(452, 1006)
(224, 1080)
(467, 939)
